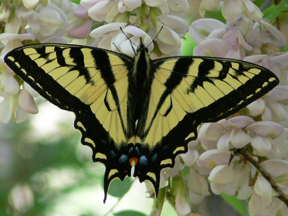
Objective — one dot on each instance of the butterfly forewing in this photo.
(135, 111)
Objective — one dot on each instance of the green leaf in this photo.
(285, 48)
(187, 46)
(129, 213)
(76, 1)
(118, 188)
(44, 2)
(237, 204)
(272, 12)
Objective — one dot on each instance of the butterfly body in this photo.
(138, 114)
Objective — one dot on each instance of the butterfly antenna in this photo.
(117, 48)
(131, 42)
(155, 36)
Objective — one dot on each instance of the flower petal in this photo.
(281, 165)
(222, 174)
(197, 183)
(27, 102)
(223, 142)
(238, 121)
(263, 188)
(261, 145)
(201, 28)
(181, 205)
(257, 107)
(239, 139)
(213, 157)
(266, 128)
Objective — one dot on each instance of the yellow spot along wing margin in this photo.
(188, 91)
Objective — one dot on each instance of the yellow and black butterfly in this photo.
(138, 114)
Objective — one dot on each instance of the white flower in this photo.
(155, 3)
(4, 11)
(197, 185)
(111, 37)
(222, 174)
(209, 4)
(263, 32)
(29, 4)
(100, 10)
(262, 197)
(274, 107)
(81, 27)
(27, 103)
(21, 197)
(129, 5)
(214, 157)
(82, 30)
(211, 47)
(200, 29)
(49, 23)
(178, 6)
(194, 6)
(178, 166)
(241, 181)
(173, 29)
(210, 133)
(280, 174)
(9, 86)
(264, 131)
(271, 107)
(9, 108)
(231, 9)
(282, 141)
(97, 10)
(105, 35)
(191, 156)
(234, 135)
(181, 205)
(257, 107)
(178, 190)
(279, 65)
(234, 39)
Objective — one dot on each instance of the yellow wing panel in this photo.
(80, 73)
(182, 89)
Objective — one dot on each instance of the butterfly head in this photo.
(141, 47)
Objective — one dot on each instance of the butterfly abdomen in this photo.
(139, 90)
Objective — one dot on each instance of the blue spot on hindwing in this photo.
(143, 160)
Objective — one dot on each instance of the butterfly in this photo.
(138, 114)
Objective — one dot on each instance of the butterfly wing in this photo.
(90, 82)
(181, 93)
(188, 91)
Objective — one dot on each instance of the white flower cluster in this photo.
(33, 22)
(245, 36)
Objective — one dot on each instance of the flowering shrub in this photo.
(257, 135)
